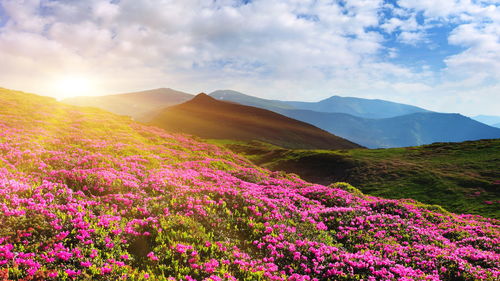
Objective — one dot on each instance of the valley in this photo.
(460, 177)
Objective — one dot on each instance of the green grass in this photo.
(461, 177)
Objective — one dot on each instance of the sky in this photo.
(441, 55)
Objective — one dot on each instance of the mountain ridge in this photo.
(360, 107)
(491, 120)
(134, 104)
(369, 132)
(207, 117)
(417, 128)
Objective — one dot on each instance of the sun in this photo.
(72, 85)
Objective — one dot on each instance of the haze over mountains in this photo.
(370, 123)
(136, 104)
(413, 126)
(493, 121)
(207, 117)
(368, 108)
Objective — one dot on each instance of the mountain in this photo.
(422, 127)
(406, 130)
(207, 117)
(234, 96)
(367, 108)
(461, 177)
(89, 195)
(488, 119)
(497, 125)
(136, 104)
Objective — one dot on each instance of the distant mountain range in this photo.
(370, 123)
(415, 126)
(207, 117)
(406, 130)
(367, 108)
(491, 120)
(136, 104)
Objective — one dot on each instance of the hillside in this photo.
(487, 119)
(88, 195)
(406, 130)
(366, 108)
(207, 117)
(422, 127)
(136, 104)
(461, 177)
(359, 107)
(234, 96)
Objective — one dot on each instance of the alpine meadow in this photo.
(268, 140)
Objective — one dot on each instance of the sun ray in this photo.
(72, 85)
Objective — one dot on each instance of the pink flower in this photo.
(106, 269)
(181, 248)
(86, 263)
(72, 273)
(321, 226)
(152, 256)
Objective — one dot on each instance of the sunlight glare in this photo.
(72, 86)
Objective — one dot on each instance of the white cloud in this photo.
(105, 11)
(412, 38)
(24, 15)
(302, 49)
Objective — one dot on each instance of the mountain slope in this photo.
(462, 177)
(406, 130)
(487, 119)
(210, 118)
(136, 104)
(89, 195)
(359, 107)
(234, 96)
(426, 128)
(367, 108)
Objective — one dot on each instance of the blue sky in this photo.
(441, 55)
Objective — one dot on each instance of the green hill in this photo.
(461, 177)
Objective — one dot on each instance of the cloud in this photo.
(483, 49)
(305, 49)
(412, 38)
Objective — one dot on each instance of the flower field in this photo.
(88, 195)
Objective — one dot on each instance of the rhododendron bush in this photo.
(85, 194)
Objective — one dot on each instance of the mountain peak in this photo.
(210, 118)
(202, 97)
